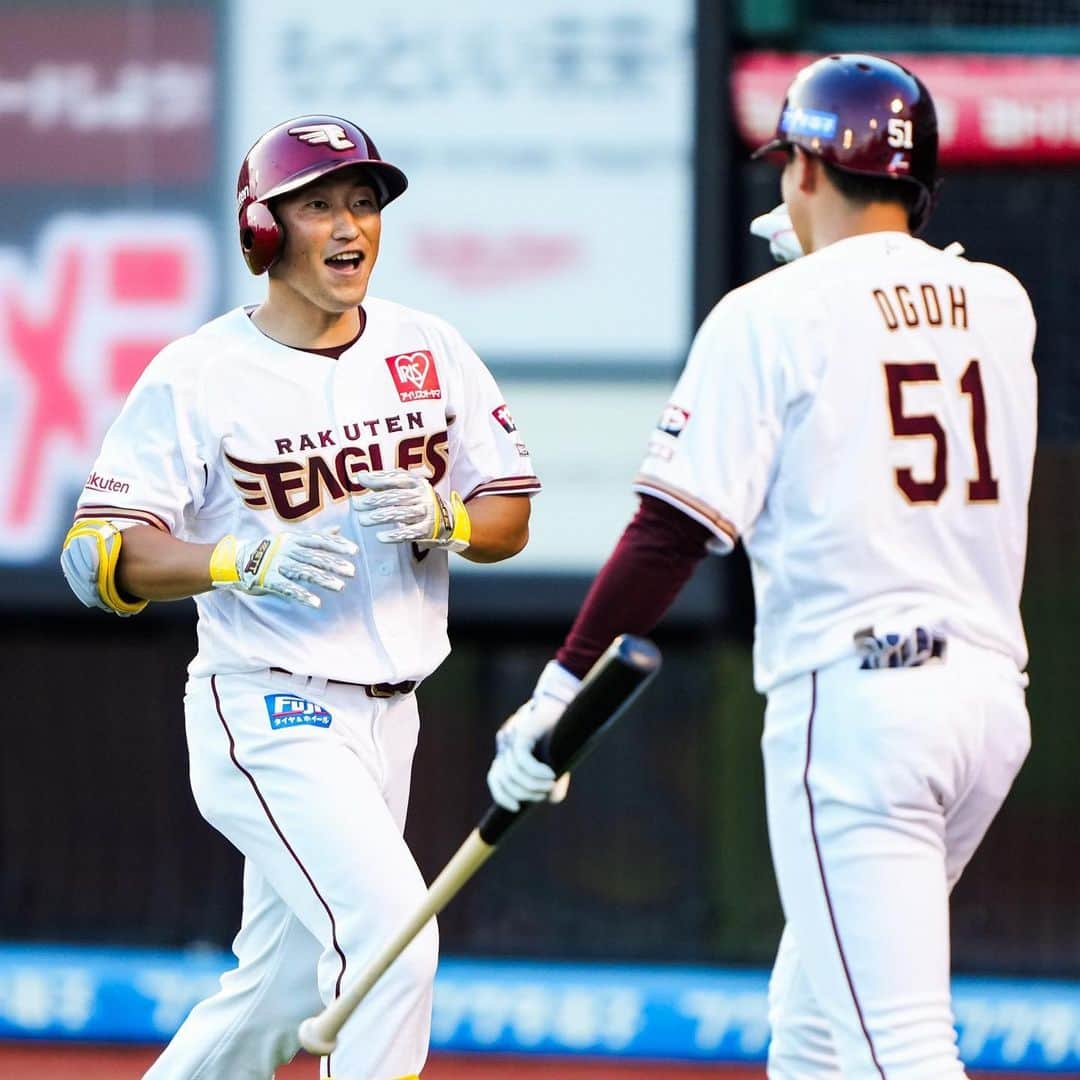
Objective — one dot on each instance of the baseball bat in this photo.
(610, 686)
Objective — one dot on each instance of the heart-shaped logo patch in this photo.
(415, 375)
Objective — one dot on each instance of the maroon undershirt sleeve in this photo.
(651, 563)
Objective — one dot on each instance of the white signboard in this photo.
(548, 147)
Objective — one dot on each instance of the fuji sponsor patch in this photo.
(415, 376)
(504, 419)
(672, 420)
(286, 711)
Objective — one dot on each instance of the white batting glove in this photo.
(405, 500)
(515, 776)
(275, 565)
(775, 226)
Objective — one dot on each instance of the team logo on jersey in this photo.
(672, 420)
(415, 375)
(504, 419)
(294, 488)
(332, 135)
(287, 711)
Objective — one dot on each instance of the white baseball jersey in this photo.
(228, 431)
(864, 419)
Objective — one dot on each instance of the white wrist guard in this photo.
(516, 776)
(88, 560)
(558, 683)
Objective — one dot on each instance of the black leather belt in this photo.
(373, 690)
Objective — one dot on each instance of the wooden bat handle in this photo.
(318, 1034)
(612, 683)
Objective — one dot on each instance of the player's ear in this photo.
(261, 237)
(808, 170)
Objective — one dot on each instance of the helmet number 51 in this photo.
(900, 133)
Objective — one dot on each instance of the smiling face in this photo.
(332, 229)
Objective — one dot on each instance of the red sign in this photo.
(78, 323)
(97, 96)
(415, 376)
(991, 109)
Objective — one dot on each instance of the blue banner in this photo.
(514, 1007)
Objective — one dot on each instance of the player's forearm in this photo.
(156, 566)
(499, 527)
(652, 561)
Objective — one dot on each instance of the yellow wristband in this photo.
(462, 532)
(223, 561)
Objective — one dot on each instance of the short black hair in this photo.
(863, 190)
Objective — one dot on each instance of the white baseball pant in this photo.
(318, 812)
(879, 787)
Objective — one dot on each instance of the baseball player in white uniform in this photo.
(863, 419)
(305, 469)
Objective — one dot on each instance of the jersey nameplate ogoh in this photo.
(228, 431)
(864, 419)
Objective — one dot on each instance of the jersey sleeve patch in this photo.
(504, 419)
(673, 419)
(689, 504)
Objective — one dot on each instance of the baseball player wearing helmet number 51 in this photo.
(863, 419)
(305, 469)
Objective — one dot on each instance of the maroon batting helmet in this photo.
(291, 155)
(866, 115)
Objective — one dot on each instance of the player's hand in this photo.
(776, 227)
(515, 776)
(405, 501)
(277, 565)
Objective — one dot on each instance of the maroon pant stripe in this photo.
(824, 880)
(277, 829)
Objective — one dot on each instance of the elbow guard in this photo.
(88, 560)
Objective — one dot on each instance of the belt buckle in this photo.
(380, 690)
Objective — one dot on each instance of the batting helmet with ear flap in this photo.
(291, 155)
(867, 115)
